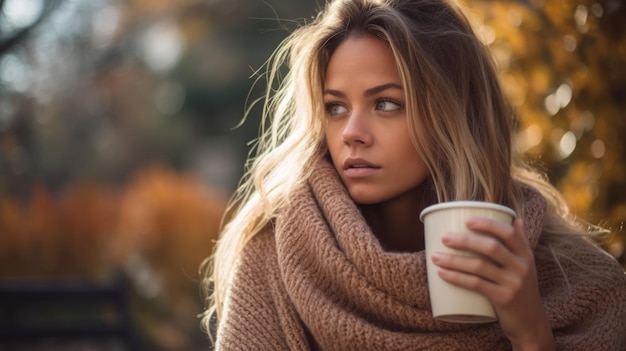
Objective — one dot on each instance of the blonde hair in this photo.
(463, 132)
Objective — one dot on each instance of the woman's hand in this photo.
(505, 273)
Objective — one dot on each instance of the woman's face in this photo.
(367, 132)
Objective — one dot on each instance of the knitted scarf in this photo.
(337, 289)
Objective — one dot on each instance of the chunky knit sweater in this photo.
(320, 280)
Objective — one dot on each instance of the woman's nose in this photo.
(357, 131)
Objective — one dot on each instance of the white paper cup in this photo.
(451, 303)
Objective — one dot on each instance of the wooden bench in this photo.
(62, 312)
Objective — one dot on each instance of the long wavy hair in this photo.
(464, 132)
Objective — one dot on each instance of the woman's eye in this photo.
(335, 109)
(387, 105)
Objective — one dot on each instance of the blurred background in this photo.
(118, 146)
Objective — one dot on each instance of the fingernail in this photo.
(436, 257)
(446, 238)
(442, 272)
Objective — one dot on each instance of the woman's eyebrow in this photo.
(381, 88)
(369, 92)
(336, 93)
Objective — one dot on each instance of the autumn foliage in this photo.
(156, 229)
(87, 229)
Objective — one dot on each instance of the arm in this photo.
(256, 313)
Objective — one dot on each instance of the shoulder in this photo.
(251, 317)
(250, 288)
(259, 252)
(261, 244)
(575, 263)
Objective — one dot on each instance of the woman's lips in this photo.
(359, 168)
(360, 172)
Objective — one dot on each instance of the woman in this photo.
(388, 107)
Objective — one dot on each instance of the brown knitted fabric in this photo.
(321, 280)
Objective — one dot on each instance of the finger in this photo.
(469, 281)
(518, 224)
(473, 265)
(498, 293)
(482, 245)
(506, 233)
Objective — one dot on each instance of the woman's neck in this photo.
(396, 223)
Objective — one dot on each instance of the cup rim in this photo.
(466, 203)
